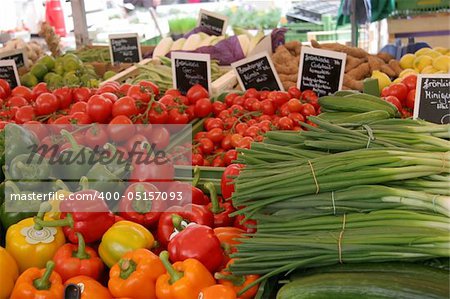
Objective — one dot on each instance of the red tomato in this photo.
(263, 94)
(81, 94)
(296, 117)
(398, 90)
(137, 144)
(190, 111)
(46, 103)
(139, 93)
(203, 107)
(229, 122)
(252, 131)
(249, 102)
(294, 92)
(251, 93)
(150, 87)
(160, 137)
(218, 107)
(294, 105)
(230, 156)
(40, 88)
(393, 100)
(309, 95)
(267, 107)
(218, 161)
(245, 142)
(6, 88)
(120, 128)
(3, 94)
(23, 91)
(284, 110)
(196, 93)
(199, 135)
(307, 110)
(173, 92)
(265, 125)
(64, 94)
(107, 87)
(237, 110)
(176, 117)
(78, 107)
(125, 106)
(99, 108)
(239, 100)
(197, 159)
(240, 128)
(206, 145)
(385, 92)
(410, 81)
(410, 99)
(229, 99)
(214, 123)
(158, 114)
(236, 139)
(80, 118)
(123, 89)
(16, 101)
(38, 128)
(95, 136)
(278, 98)
(215, 135)
(112, 97)
(285, 123)
(24, 114)
(168, 101)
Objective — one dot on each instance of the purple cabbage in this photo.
(277, 36)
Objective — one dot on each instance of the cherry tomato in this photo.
(229, 122)
(46, 103)
(40, 88)
(385, 92)
(309, 95)
(206, 145)
(294, 93)
(16, 101)
(3, 94)
(176, 117)
(23, 91)
(218, 161)
(285, 123)
(214, 123)
(393, 100)
(297, 118)
(140, 93)
(239, 100)
(173, 92)
(203, 107)
(278, 98)
(240, 128)
(137, 144)
(78, 107)
(252, 131)
(410, 99)
(215, 135)
(284, 110)
(248, 103)
(80, 118)
(267, 107)
(6, 88)
(197, 159)
(99, 108)
(111, 88)
(410, 81)
(224, 114)
(120, 128)
(218, 107)
(64, 94)
(160, 137)
(24, 114)
(251, 93)
(236, 139)
(38, 128)
(237, 110)
(150, 87)
(112, 97)
(125, 106)
(308, 110)
(229, 157)
(123, 89)
(196, 93)
(158, 114)
(200, 135)
(245, 142)
(95, 136)
(263, 94)
(168, 101)
(81, 94)
(398, 90)
(229, 99)
(226, 142)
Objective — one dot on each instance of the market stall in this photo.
(233, 156)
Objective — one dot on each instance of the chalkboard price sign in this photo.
(18, 56)
(432, 101)
(189, 69)
(321, 70)
(213, 23)
(124, 48)
(257, 72)
(8, 72)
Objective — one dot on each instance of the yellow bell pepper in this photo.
(32, 245)
(122, 237)
(55, 201)
(8, 273)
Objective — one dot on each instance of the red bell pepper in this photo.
(249, 225)
(190, 194)
(134, 208)
(220, 209)
(226, 183)
(73, 260)
(198, 242)
(190, 213)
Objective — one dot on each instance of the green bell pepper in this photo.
(29, 175)
(19, 141)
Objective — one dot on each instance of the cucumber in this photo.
(354, 103)
(364, 118)
(342, 93)
(332, 116)
(377, 100)
(362, 285)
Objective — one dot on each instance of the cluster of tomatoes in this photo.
(241, 119)
(402, 95)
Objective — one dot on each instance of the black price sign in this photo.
(214, 23)
(432, 101)
(18, 56)
(125, 48)
(257, 72)
(189, 69)
(8, 72)
(321, 71)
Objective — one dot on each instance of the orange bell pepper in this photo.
(183, 280)
(238, 282)
(8, 273)
(135, 275)
(39, 283)
(90, 288)
(229, 237)
(218, 291)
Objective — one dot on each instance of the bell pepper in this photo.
(226, 183)
(238, 282)
(190, 194)
(9, 218)
(198, 242)
(217, 291)
(31, 244)
(62, 192)
(39, 283)
(229, 237)
(72, 260)
(221, 210)
(18, 141)
(89, 287)
(8, 273)
(92, 225)
(190, 213)
(134, 208)
(249, 225)
(29, 175)
(183, 280)
(135, 275)
(122, 237)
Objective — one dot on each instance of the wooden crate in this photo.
(433, 28)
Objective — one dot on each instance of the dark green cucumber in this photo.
(364, 118)
(362, 285)
(331, 116)
(377, 100)
(354, 103)
(343, 93)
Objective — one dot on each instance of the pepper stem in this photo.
(216, 208)
(68, 221)
(44, 283)
(84, 183)
(43, 208)
(141, 206)
(176, 220)
(13, 186)
(73, 143)
(196, 177)
(61, 185)
(236, 280)
(81, 251)
(173, 274)
(127, 267)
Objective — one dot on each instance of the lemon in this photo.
(441, 50)
(407, 61)
(422, 61)
(428, 70)
(48, 61)
(108, 74)
(423, 51)
(398, 80)
(433, 54)
(29, 80)
(383, 79)
(442, 63)
(39, 70)
(407, 72)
